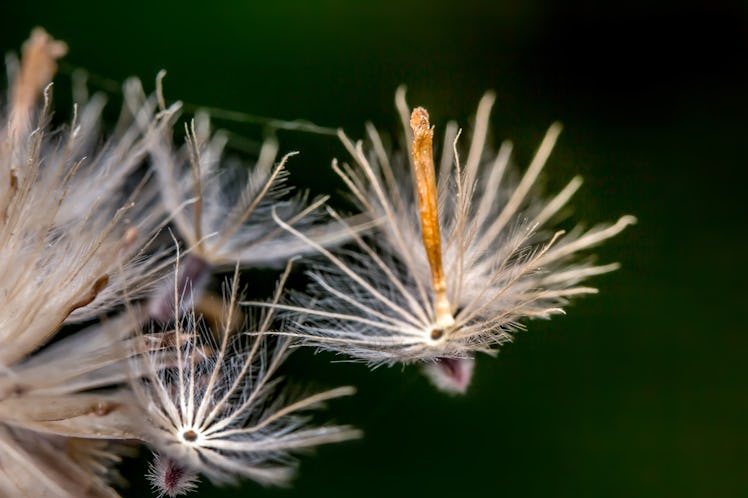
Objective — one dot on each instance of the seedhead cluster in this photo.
(114, 241)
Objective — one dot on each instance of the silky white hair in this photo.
(503, 263)
(215, 406)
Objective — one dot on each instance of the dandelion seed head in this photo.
(461, 258)
(214, 406)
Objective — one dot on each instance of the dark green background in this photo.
(640, 391)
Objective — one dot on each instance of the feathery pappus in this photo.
(79, 218)
(222, 208)
(74, 238)
(214, 406)
(456, 264)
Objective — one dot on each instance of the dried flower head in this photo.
(457, 262)
(216, 408)
(73, 239)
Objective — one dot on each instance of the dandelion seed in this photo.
(457, 264)
(222, 210)
(217, 409)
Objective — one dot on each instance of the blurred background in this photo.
(640, 391)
